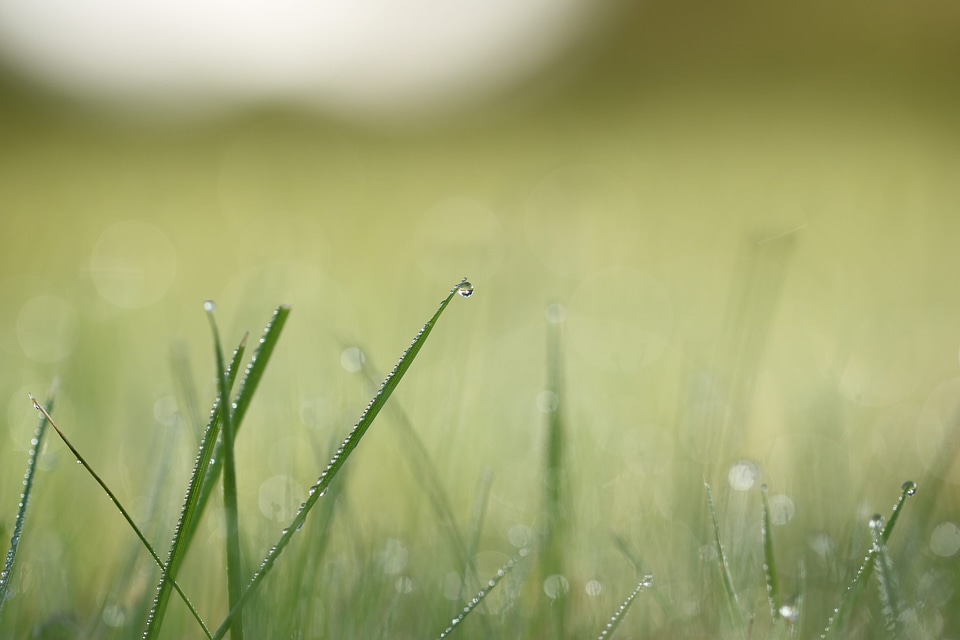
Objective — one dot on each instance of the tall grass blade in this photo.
(837, 623)
(343, 452)
(617, 617)
(733, 601)
(483, 593)
(769, 560)
(248, 386)
(189, 513)
(36, 443)
(231, 516)
(121, 509)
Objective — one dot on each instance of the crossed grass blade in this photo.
(837, 623)
(6, 576)
(190, 513)
(126, 515)
(231, 516)
(341, 455)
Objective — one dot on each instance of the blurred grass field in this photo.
(749, 261)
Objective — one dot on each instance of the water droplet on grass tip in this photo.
(209, 306)
(465, 289)
(909, 487)
(876, 522)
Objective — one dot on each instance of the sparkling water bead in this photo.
(909, 487)
(465, 289)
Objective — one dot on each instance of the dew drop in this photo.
(209, 306)
(909, 487)
(465, 289)
(876, 522)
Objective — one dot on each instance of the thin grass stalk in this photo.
(837, 623)
(189, 513)
(36, 445)
(231, 516)
(187, 390)
(343, 452)
(618, 616)
(624, 547)
(769, 559)
(733, 602)
(483, 593)
(121, 509)
(248, 386)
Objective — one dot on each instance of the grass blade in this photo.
(890, 600)
(617, 617)
(483, 593)
(343, 452)
(248, 386)
(120, 507)
(231, 516)
(733, 601)
(769, 561)
(36, 445)
(838, 621)
(189, 513)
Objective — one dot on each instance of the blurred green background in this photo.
(745, 216)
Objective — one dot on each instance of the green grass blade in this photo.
(343, 452)
(617, 617)
(248, 386)
(189, 513)
(733, 601)
(121, 509)
(36, 445)
(837, 623)
(769, 560)
(231, 516)
(483, 593)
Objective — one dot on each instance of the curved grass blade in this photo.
(189, 513)
(838, 621)
(36, 444)
(231, 516)
(120, 507)
(483, 593)
(769, 561)
(617, 617)
(342, 453)
(248, 386)
(733, 601)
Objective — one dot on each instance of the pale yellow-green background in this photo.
(751, 217)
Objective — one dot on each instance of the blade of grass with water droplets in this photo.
(189, 513)
(733, 601)
(248, 386)
(890, 599)
(231, 516)
(483, 593)
(769, 560)
(35, 445)
(121, 509)
(617, 617)
(837, 623)
(339, 458)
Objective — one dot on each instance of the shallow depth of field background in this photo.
(743, 221)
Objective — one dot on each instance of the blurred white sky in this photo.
(359, 58)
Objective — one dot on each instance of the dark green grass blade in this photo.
(733, 601)
(339, 458)
(617, 617)
(121, 509)
(189, 512)
(248, 386)
(483, 593)
(837, 623)
(36, 445)
(769, 560)
(231, 516)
